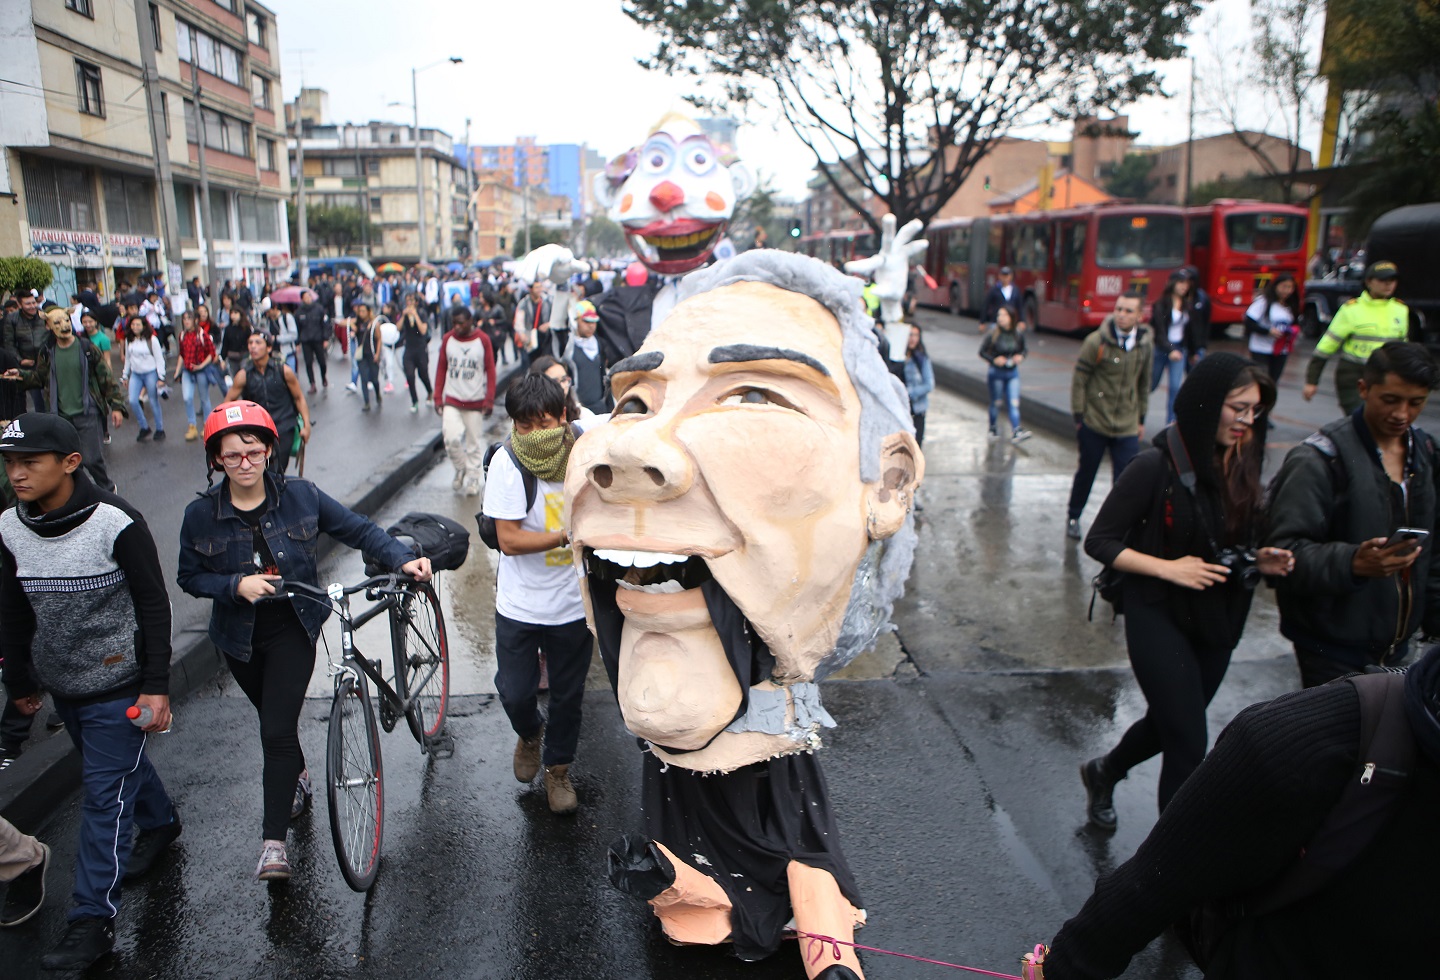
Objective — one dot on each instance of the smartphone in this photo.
(1417, 535)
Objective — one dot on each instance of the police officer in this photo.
(1360, 328)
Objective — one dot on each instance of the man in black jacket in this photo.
(313, 322)
(23, 332)
(1359, 591)
(1000, 294)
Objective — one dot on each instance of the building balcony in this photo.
(218, 86)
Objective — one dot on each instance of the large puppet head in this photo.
(674, 195)
(744, 518)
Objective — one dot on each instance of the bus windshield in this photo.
(1140, 241)
(1265, 232)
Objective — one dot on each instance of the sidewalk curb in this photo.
(1037, 414)
(39, 782)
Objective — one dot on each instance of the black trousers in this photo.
(568, 649)
(1274, 364)
(417, 361)
(314, 350)
(1179, 678)
(14, 726)
(919, 419)
(274, 679)
(280, 458)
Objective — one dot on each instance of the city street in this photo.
(953, 775)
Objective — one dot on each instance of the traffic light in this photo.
(987, 182)
(795, 228)
(502, 243)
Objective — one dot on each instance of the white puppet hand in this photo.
(890, 267)
(554, 262)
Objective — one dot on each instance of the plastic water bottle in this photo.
(139, 717)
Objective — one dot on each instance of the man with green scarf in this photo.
(537, 595)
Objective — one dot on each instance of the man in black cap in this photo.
(1001, 294)
(1360, 328)
(87, 617)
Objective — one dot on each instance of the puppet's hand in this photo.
(554, 262)
(890, 267)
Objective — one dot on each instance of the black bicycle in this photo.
(418, 691)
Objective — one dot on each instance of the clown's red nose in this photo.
(667, 196)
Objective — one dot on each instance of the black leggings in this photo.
(417, 361)
(274, 679)
(314, 350)
(1178, 680)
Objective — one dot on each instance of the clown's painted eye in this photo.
(699, 161)
(657, 158)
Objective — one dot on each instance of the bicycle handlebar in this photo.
(289, 589)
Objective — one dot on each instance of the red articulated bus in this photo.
(1069, 265)
(1239, 246)
(839, 246)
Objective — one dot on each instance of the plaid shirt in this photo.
(195, 346)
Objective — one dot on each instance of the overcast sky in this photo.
(564, 71)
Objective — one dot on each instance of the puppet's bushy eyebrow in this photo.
(740, 353)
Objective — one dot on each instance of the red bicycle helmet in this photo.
(237, 416)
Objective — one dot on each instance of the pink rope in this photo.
(835, 944)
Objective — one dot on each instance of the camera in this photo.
(1243, 565)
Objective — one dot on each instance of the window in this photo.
(129, 204)
(1265, 232)
(372, 165)
(165, 111)
(185, 206)
(87, 84)
(155, 27)
(265, 152)
(58, 195)
(260, 91)
(222, 132)
(227, 4)
(81, 7)
(345, 167)
(255, 29)
(1140, 241)
(375, 203)
(211, 55)
(257, 218)
(219, 215)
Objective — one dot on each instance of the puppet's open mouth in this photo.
(647, 571)
(676, 246)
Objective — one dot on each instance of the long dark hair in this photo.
(1240, 466)
(1166, 301)
(544, 363)
(919, 351)
(145, 334)
(1271, 294)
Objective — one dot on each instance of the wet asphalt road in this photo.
(953, 776)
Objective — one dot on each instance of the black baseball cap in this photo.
(1382, 270)
(40, 432)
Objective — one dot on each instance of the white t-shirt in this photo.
(1178, 322)
(1279, 316)
(543, 588)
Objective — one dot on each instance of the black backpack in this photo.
(1385, 759)
(437, 537)
(532, 487)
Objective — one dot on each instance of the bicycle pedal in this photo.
(441, 746)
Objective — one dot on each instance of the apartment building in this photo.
(79, 166)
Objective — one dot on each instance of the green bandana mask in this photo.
(544, 452)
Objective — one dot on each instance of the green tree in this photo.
(604, 237)
(340, 230)
(901, 98)
(1131, 177)
(1246, 188)
(539, 235)
(23, 274)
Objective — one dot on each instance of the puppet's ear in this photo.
(902, 467)
(604, 192)
(744, 181)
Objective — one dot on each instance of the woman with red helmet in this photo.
(241, 536)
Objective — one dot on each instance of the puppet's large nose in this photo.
(643, 465)
(667, 196)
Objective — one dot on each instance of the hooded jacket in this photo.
(1150, 510)
(101, 392)
(1332, 493)
(1110, 389)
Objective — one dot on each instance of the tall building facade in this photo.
(79, 166)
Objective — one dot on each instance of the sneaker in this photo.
(1099, 794)
(1020, 435)
(8, 755)
(1072, 528)
(274, 865)
(527, 756)
(458, 483)
(472, 488)
(351, 389)
(26, 893)
(324, 383)
(414, 407)
(558, 791)
(312, 389)
(389, 387)
(143, 435)
(107, 438)
(992, 435)
(191, 433)
(304, 793)
(365, 407)
(159, 435)
(84, 942)
(228, 382)
(150, 846)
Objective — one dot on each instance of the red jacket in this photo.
(462, 373)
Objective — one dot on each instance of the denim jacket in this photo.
(216, 547)
(919, 382)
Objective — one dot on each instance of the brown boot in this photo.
(527, 756)
(558, 791)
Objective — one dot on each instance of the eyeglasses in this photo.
(254, 457)
(1246, 413)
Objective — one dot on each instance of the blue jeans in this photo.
(567, 649)
(121, 792)
(1177, 371)
(1092, 450)
(148, 380)
(195, 385)
(1005, 389)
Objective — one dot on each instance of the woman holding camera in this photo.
(1182, 523)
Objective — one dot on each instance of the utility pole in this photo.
(525, 205)
(471, 231)
(419, 173)
(302, 227)
(159, 145)
(1190, 137)
(207, 226)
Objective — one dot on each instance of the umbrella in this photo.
(286, 294)
(455, 267)
(391, 267)
(423, 265)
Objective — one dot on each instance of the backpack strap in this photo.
(1385, 760)
(532, 483)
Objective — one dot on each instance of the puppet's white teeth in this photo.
(639, 559)
(670, 587)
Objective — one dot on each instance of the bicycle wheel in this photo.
(422, 659)
(355, 788)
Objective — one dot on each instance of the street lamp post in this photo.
(419, 172)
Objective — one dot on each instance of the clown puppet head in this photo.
(674, 195)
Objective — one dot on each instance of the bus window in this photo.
(993, 246)
(1072, 259)
(1140, 241)
(1265, 232)
(959, 251)
(1200, 231)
